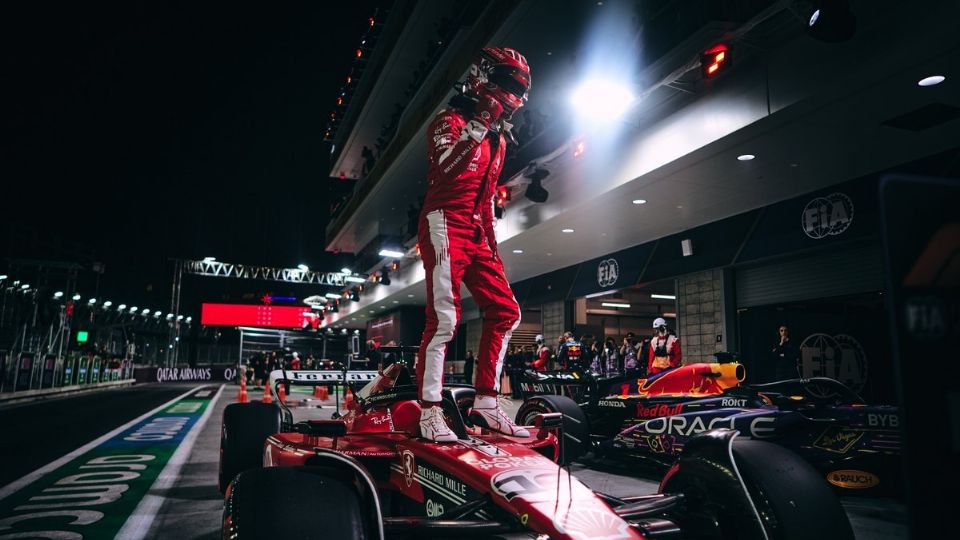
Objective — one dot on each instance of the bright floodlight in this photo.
(146, 311)
(602, 100)
(209, 259)
(332, 296)
(121, 307)
(346, 271)
(354, 279)
(58, 294)
(303, 267)
(76, 297)
(107, 304)
(92, 301)
(391, 253)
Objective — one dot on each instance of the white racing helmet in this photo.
(658, 322)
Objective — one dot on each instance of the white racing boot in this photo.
(433, 426)
(487, 413)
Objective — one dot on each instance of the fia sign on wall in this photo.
(827, 216)
(839, 357)
(608, 271)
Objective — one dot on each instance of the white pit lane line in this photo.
(139, 522)
(17, 485)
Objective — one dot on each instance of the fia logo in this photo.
(607, 272)
(839, 357)
(827, 216)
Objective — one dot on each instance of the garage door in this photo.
(840, 271)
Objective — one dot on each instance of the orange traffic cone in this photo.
(347, 396)
(267, 398)
(324, 393)
(317, 392)
(242, 397)
(281, 394)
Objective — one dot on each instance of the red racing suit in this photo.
(664, 354)
(458, 245)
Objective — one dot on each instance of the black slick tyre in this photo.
(294, 502)
(576, 429)
(245, 428)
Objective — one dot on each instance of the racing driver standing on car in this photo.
(466, 144)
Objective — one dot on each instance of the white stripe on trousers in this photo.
(503, 346)
(443, 307)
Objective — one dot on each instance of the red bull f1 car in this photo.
(368, 475)
(854, 446)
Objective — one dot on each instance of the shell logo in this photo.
(853, 479)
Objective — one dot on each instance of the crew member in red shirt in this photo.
(664, 349)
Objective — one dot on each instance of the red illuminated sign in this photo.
(255, 315)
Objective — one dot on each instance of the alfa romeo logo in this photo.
(827, 216)
(839, 357)
(607, 272)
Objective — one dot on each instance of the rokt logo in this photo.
(827, 216)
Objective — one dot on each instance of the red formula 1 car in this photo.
(367, 475)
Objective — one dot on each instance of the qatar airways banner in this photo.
(256, 315)
(185, 374)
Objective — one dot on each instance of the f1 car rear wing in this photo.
(320, 378)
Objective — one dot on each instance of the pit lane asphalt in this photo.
(36, 433)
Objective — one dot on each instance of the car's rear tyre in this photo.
(294, 502)
(576, 429)
(793, 500)
(245, 428)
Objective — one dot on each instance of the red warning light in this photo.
(713, 59)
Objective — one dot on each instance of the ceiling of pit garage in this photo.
(831, 137)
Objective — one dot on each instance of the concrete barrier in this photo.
(24, 396)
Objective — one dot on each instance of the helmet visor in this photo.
(510, 79)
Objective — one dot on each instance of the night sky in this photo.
(138, 132)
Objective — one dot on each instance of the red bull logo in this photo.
(655, 411)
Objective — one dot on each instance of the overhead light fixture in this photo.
(107, 304)
(121, 307)
(745, 157)
(601, 100)
(639, 201)
(568, 231)
(169, 316)
(303, 267)
(3, 277)
(670, 315)
(189, 320)
(392, 253)
(332, 296)
(92, 301)
(535, 191)
(409, 296)
(25, 286)
(157, 313)
(614, 304)
(346, 271)
(664, 296)
(133, 309)
(58, 294)
(314, 300)
(179, 317)
(146, 311)
(518, 251)
(932, 80)
(76, 297)
(604, 293)
(686, 246)
(831, 21)
(209, 259)
(354, 279)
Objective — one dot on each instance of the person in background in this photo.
(664, 349)
(389, 357)
(373, 355)
(571, 353)
(785, 356)
(542, 355)
(611, 358)
(295, 361)
(628, 352)
(468, 364)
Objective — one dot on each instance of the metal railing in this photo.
(28, 371)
